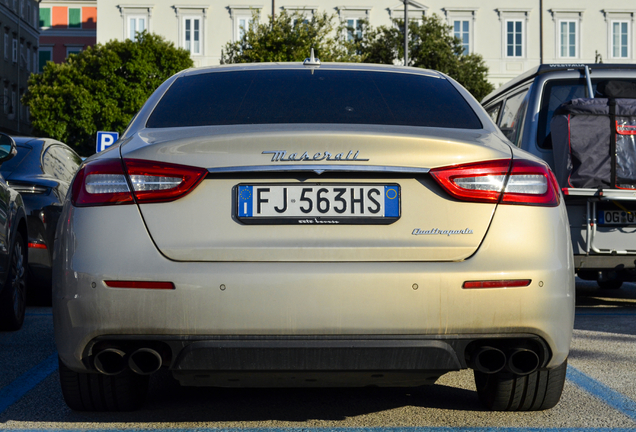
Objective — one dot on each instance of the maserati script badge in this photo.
(281, 156)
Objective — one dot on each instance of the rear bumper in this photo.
(380, 360)
(416, 301)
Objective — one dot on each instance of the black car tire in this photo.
(13, 295)
(125, 391)
(504, 391)
(609, 284)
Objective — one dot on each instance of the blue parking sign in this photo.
(106, 139)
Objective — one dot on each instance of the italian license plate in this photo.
(318, 203)
(616, 217)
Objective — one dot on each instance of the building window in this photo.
(461, 30)
(45, 17)
(6, 46)
(242, 24)
(514, 38)
(73, 50)
(5, 100)
(136, 24)
(354, 28)
(35, 61)
(44, 55)
(620, 39)
(14, 50)
(75, 17)
(242, 19)
(192, 34)
(567, 38)
(28, 58)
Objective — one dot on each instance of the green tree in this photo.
(290, 38)
(101, 88)
(431, 46)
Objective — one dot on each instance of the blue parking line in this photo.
(344, 429)
(610, 396)
(13, 392)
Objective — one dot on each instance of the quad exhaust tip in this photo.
(490, 360)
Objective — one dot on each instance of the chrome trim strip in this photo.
(319, 169)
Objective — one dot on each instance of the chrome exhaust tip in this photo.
(488, 360)
(110, 361)
(145, 361)
(522, 361)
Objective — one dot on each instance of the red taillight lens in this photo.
(104, 182)
(33, 245)
(101, 182)
(508, 182)
(512, 283)
(162, 182)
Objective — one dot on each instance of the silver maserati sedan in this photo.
(310, 224)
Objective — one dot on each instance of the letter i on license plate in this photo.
(318, 203)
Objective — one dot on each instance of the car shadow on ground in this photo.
(605, 310)
(168, 402)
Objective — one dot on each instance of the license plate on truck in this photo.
(616, 217)
(318, 203)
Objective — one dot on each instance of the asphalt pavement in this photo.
(599, 395)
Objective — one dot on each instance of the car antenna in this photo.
(312, 61)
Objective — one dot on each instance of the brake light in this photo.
(504, 181)
(109, 182)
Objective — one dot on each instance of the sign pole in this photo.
(406, 32)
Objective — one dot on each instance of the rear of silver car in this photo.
(315, 255)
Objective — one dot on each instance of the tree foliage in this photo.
(431, 46)
(289, 38)
(101, 88)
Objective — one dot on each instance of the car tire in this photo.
(125, 391)
(609, 284)
(504, 391)
(13, 295)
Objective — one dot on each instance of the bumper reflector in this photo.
(139, 284)
(497, 283)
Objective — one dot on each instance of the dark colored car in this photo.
(41, 172)
(13, 256)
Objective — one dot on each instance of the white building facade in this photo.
(511, 39)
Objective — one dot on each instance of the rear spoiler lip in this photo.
(318, 169)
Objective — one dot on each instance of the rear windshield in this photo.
(321, 96)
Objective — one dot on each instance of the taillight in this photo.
(27, 188)
(502, 181)
(101, 182)
(104, 182)
(162, 182)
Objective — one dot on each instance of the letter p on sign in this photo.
(105, 140)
